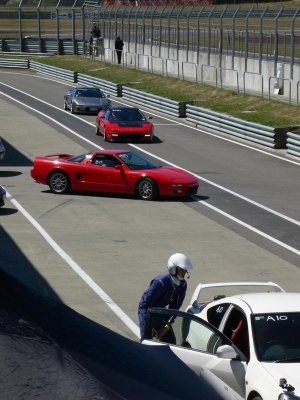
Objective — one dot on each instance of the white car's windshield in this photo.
(277, 337)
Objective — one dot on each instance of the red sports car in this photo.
(124, 123)
(112, 171)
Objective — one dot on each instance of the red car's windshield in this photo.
(135, 162)
(120, 114)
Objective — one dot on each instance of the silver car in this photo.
(2, 149)
(87, 100)
(2, 196)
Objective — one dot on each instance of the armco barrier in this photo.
(53, 71)
(243, 129)
(12, 63)
(261, 134)
(293, 144)
(114, 89)
(158, 103)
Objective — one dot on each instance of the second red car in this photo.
(124, 123)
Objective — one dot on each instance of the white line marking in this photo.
(86, 278)
(251, 228)
(76, 268)
(293, 221)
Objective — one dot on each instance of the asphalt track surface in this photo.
(95, 254)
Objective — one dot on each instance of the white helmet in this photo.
(179, 260)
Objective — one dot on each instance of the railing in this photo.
(12, 63)
(53, 71)
(114, 89)
(172, 107)
(257, 133)
(261, 134)
(293, 144)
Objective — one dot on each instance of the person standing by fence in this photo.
(119, 44)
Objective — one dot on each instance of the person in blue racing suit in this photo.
(166, 291)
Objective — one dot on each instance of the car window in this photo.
(93, 92)
(127, 114)
(215, 314)
(104, 160)
(136, 162)
(78, 158)
(236, 329)
(186, 331)
(277, 336)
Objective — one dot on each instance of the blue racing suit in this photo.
(163, 293)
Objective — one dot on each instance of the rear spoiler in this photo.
(201, 286)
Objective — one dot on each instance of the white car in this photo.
(244, 345)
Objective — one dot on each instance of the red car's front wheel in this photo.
(147, 189)
(59, 182)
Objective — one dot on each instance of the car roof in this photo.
(124, 108)
(86, 88)
(268, 302)
(109, 151)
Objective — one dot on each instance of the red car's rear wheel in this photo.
(59, 182)
(147, 189)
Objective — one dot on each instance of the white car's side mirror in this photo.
(227, 352)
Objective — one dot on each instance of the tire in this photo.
(59, 182)
(72, 109)
(97, 129)
(257, 398)
(147, 189)
(65, 106)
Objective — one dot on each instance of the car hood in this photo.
(175, 174)
(91, 101)
(131, 124)
(289, 371)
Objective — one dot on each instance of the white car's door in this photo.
(200, 346)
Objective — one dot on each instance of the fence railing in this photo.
(53, 71)
(13, 63)
(257, 133)
(168, 106)
(112, 88)
(261, 134)
(293, 144)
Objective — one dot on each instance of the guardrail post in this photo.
(280, 136)
(182, 109)
(75, 77)
(119, 89)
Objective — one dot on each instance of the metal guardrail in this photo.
(172, 107)
(261, 134)
(53, 71)
(293, 144)
(233, 126)
(114, 89)
(13, 63)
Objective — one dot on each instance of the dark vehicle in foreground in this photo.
(86, 100)
(2, 196)
(2, 149)
(112, 171)
(124, 123)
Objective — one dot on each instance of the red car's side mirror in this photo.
(118, 167)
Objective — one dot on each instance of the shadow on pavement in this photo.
(50, 351)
